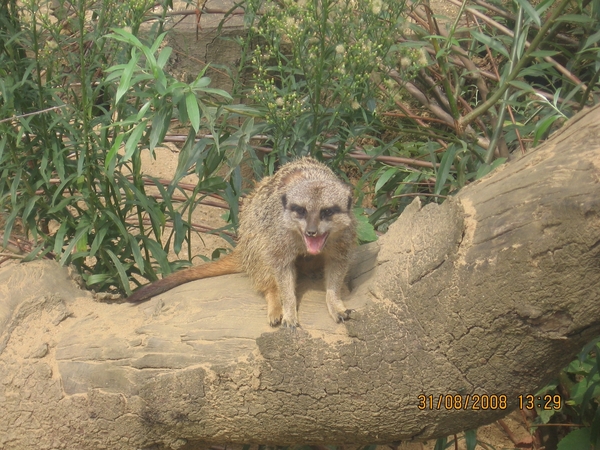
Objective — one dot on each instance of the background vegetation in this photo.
(399, 100)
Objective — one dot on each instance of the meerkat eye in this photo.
(326, 213)
(299, 210)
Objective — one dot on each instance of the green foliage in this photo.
(366, 232)
(579, 439)
(581, 381)
(342, 79)
(312, 65)
(83, 105)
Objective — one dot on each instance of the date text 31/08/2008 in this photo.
(487, 402)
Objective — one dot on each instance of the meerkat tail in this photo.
(226, 265)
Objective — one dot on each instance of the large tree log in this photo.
(489, 294)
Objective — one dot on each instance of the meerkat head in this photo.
(317, 210)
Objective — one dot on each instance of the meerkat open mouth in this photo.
(314, 244)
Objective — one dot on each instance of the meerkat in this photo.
(302, 212)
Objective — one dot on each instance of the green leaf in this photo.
(142, 111)
(182, 108)
(492, 43)
(471, 439)
(579, 366)
(542, 126)
(150, 59)
(157, 43)
(133, 141)
(522, 85)
(14, 186)
(29, 207)
(190, 154)
(163, 56)
(592, 392)
(364, 229)
(98, 241)
(8, 225)
(215, 91)
(591, 41)
(97, 279)
(125, 82)
(114, 72)
(3, 141)
(545, 414)
(38, 252)
(193, 112)
(244, 110)
(137, 252)
(120, 34)
(595, 428)
(577, 439)
(160, 125)
(140, 78)
(157, 218)
(158, 254)
(64, 203)
(444, 168)
(59, 238)
(212, 184)
(484, 169)
(113, 151)
(120, 270)
(543, 53)
(200, 82)
(385, 178)
(583, 391)
(116, 221)
(440, 444)
(82, 229)
(578, 18)
(539, 69)
(588, 348)
(530, 10)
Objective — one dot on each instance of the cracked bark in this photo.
(490, 293)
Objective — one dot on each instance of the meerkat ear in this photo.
(284, 201)
(349, 202)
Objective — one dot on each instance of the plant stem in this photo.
(514, 54)
(497, 95)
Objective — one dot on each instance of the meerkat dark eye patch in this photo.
(299, 210)
(326, 213)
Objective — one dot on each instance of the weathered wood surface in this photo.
(491, 293)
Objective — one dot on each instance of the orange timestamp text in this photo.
(487, 402)
(457, 401)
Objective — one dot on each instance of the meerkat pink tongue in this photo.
(314, 244)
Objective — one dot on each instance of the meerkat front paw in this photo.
(338, 311)
(274, 311)
(274, 318)
(342, 316)
(290, 322)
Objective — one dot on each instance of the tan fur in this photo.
(304, 198)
